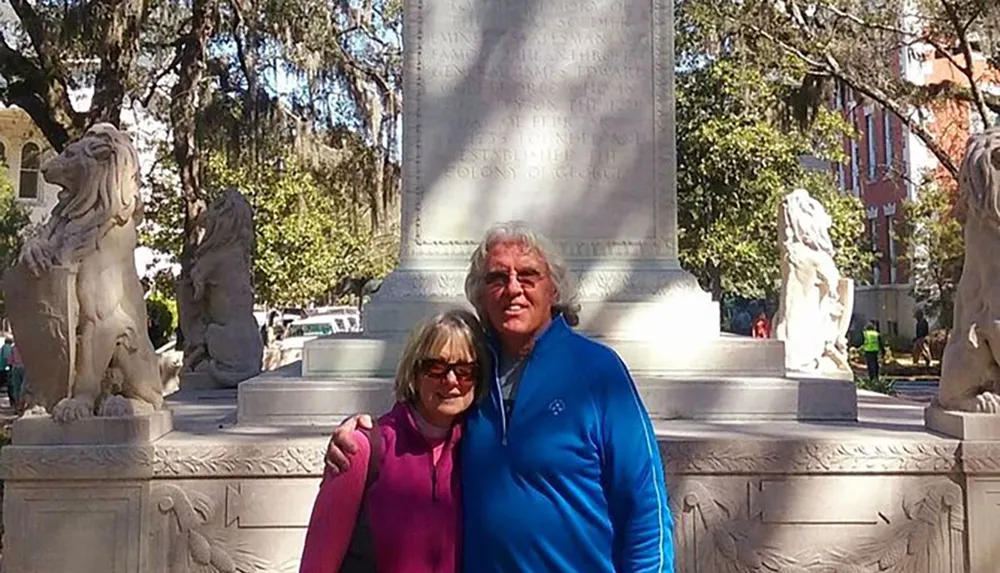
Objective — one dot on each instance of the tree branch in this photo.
(829, 66)
(42, 95)
(963, 44)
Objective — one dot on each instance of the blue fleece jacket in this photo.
(573, 481)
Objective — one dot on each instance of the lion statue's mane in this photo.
(105, 195)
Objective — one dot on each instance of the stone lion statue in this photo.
(223, 346)
(970, 374)
(74, 298)
(814, 309)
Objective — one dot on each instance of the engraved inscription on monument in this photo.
(543, 111)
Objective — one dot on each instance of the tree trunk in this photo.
(184, 103)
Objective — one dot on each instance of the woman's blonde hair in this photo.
(427, 340)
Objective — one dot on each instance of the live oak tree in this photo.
(14, 224)
(234, 80)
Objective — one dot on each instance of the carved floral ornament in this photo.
(680, 457)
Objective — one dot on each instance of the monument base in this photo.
(633, 300)
(292, 401)
(363, 356)
(962, 425)
(77, 496)
(43, 430)
(874, 495)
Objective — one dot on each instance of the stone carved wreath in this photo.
(929, 541)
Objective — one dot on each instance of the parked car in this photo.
(312, 327)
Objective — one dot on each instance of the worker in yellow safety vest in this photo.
(873, 349)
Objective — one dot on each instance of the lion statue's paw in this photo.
(72, 409)
(120, 406)
(988, 403)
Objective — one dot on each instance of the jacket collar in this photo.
(405, 422)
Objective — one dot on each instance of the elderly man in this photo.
(560, 467)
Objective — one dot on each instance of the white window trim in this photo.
(887, 139)
(870, 142)
(855, 170)
(38, 199)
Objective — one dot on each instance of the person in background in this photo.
(560, 466)
(761, 326)
(921, 342)
(873, 348)
(398, 507)
(16, 378)
(6, 352)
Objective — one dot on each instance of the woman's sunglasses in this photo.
(438, 369)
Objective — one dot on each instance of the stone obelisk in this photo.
(559, 113)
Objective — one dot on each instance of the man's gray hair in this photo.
(520, 233)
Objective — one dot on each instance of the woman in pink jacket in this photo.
(398, 508)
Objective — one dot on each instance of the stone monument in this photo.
(814, 308)
(223, 346)
(576, 97)
(74, 298)
(560, 114)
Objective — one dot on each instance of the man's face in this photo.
(519, 291)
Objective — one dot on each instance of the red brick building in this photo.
(886, 165)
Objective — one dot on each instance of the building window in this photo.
(30, 162)
(839, 96)
(891, 246)
(873, 240)
(854, 167)
(842, 177)
(887, 135)
(870, 140)
(3, 153)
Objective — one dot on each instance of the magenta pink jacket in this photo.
(413, 508)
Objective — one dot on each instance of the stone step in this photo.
(353, 356)
(296, 401)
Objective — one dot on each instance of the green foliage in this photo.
(304, 245)
(934, 249)
(854, 254)
(735, 165)
(14, 224)
(162, 316)
(883, 385)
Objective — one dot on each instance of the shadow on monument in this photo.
(771, 452)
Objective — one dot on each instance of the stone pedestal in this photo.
(980, 452)
(77, 496)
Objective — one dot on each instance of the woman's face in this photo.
(446, 383)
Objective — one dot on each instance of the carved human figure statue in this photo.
(814, 309)
(74, 298)
(223, 346)
(970, 374)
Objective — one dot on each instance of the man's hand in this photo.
(342, 442)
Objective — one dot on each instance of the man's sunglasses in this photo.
(438, 369)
